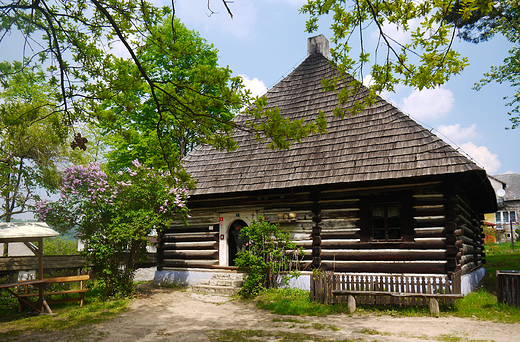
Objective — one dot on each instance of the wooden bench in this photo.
(434, 304)
(81, 291)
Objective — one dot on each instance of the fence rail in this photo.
(25, 263)
(323, 283)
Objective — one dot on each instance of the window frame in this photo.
(386, 206)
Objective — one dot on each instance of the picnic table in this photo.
(40, 305)
(27, 233)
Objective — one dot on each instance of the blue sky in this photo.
(265, 41)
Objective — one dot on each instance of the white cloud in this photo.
(428, 103)
(367, 80)
(256, 86)
(482, 156)
(459, 134)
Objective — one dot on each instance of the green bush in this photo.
(269, 253)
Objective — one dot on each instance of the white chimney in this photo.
(318, 44)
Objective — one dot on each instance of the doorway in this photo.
(232, 244)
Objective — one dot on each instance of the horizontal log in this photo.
(468, 232)
(434, 243)
(189, 245)
(430, 232)
(340, 213)
(49, 262)
(191, 254)
(470, 266)
(470, 241)
(206, 236)
(191, 229)
(188, 263)
(468, 249)
(383, 255)
(385, 267)
(433, 199)
(428, 210)
(338, 224)
(465, 259)
(353, 234)
(303, 243)
(424, 222)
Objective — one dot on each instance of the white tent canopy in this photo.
(14, 230)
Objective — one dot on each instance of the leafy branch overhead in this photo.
(99, 53)
(428, 59)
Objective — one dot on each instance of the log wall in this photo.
(440, 233)
(195, 245)
(345, 241)
(465, 237)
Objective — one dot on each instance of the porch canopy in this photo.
(27, 232)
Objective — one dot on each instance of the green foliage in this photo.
(60, 246)
(156, 104)
(268, 254)
(429, 59)
(32, 140)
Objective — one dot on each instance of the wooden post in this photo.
(434, 307)
(351, 303)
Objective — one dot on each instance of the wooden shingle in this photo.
(380, 143)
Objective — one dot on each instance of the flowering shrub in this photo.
(114, 214)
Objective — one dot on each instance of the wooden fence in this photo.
(323, 283)
(508, 287)
(24, 263)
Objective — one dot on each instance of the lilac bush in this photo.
(114, 213)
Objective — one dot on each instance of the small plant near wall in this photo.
(269, 254)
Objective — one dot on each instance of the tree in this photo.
(32, 139)
(114, 213)
(87, 31)
(186, 66)
(426, 62)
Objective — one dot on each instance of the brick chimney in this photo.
(318, 44)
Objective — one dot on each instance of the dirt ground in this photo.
(173, 315)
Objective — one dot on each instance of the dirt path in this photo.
(168, 315)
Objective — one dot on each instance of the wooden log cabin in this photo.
(377, 194)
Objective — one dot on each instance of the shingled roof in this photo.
(379, 143)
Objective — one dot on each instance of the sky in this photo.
(266, 40)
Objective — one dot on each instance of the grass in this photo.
(481, 304)
(69, 317)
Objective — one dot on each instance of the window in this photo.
(502, 217)
(386, 223)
